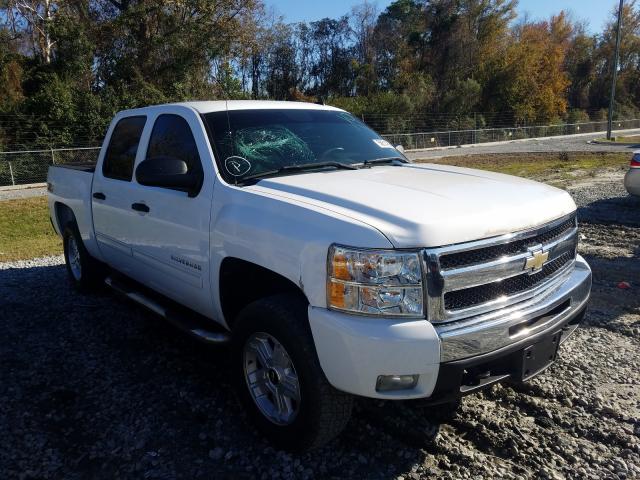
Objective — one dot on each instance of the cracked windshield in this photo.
(251, 144)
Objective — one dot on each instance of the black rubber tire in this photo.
(92, 271)
(324, 411)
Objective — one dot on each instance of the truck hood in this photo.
(427, 205)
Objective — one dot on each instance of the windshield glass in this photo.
(251, 142)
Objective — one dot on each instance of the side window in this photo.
(122, 149)
(172, 137)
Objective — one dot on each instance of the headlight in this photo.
(375, 282)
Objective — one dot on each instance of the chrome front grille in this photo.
(487, 254)
(469, 297)
(477, 277)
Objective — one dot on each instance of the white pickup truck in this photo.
(331, 264)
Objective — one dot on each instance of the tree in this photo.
(331, 69)
(282, 69)
(173, 46)
(420, 65)
(11, 74)
(461, 101)
(397, 35)
(533, 77)
(580, 65)
(362, 22)
(627, 86)
(31, 20)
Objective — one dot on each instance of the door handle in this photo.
(140, 207)
(99, 196)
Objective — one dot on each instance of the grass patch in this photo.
(552, 166)
(631, 139)
(25, 230)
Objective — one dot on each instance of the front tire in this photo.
(279, 378)
(85, 273)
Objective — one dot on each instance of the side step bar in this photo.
(179, 319)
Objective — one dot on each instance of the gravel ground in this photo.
(93, 387)
(22, 192)
(574, 143)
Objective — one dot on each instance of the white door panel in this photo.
(170, 243)
(111, 197)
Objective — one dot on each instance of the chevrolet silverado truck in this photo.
(332, 265)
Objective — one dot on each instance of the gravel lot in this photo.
(93, 387)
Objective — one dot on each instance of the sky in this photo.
(595, 12)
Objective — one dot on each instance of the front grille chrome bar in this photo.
(504, 267)
(558, 239)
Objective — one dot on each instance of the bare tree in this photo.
(363, 20)
(33, 19)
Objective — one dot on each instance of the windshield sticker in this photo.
(237, 166)
(382, 143)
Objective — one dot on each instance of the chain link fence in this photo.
(411, 141)
(30, 166)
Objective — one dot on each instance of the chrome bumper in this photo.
(512, 325)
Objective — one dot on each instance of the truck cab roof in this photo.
(209, 106)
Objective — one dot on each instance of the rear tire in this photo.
(85, 273)
(279, 379)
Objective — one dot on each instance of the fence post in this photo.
(53, 158)
(475, 128)
(13, 181)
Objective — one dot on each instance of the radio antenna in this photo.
(226, 107)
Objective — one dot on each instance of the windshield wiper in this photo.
(384, 160)
(299, 168)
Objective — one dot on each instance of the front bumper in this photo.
(462, 377)
(516, 324)
(354, 350)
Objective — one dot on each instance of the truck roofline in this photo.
(209, 106)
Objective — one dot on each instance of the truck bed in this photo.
(70, 185)
(83, 167)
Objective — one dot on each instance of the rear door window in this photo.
(122, 149)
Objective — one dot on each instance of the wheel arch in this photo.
(241, 282)
(63, 215)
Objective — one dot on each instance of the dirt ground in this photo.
(92, 387)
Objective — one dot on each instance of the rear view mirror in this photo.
(169, 172)
(400, 148)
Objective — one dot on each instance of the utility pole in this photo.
(615, 72)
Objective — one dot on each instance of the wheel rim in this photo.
(271, 378)
(73, 255)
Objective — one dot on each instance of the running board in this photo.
(179, 319)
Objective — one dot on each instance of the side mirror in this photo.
(169, 172)
(400, 148)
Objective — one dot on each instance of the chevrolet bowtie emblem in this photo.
(537, 261)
